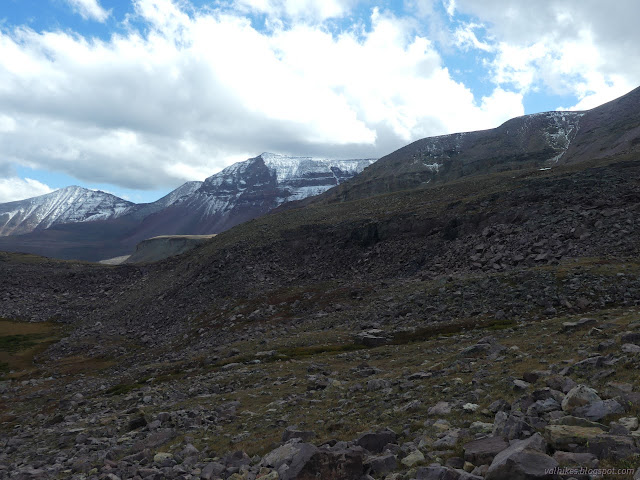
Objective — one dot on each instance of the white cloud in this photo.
(567, 47)
(15, 188)
(450, 6)
(198, 90)
(314, 10)
(465, 38)
(89, 9)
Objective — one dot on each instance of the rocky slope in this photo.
(542, 140)
(483, 328)
(287, 346)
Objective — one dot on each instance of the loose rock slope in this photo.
(483, 328)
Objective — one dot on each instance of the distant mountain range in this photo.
(75, 222)
(83, 224)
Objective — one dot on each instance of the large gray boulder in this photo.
(329, 464)
(381, 464)
(375, 442)
(437, 472)
(303, 461)
(524, 460)
(579, 396)
(484, 450)
(289, 458)
(598, 410)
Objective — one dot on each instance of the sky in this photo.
(136, 97)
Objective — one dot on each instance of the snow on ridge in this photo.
(179, 193)
(290, 167)
(66, 205)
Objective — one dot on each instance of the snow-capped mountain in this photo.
(145, 209)
(282, 178)
(93, 225)
(67, 205)
(248, 189)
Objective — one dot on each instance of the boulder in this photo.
(413, 459)
(440, 408)
(561, 383)
(375, 442)
(162, 457)
(631, 337)
(326, 463)
(598, 410)
(381, 464)
(511, 426)
(293, 432)
(212, 470)
(237, 459)
(630, 423)
(571, 459)
(563, 437)
(577, 422)
(438, 472)
(615, 447)
(484, 450)
(631, 348)
(579, 396)
(372, 338)
(523, 460)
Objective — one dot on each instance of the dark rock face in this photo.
(376, 441)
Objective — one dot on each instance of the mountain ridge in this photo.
(67, 205)
(540, 140)
(236, 194)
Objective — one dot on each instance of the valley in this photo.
(480, 326)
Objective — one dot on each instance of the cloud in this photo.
(192, 91)
(309, 10)
(568, 47)
(89, 9)
(15, 188)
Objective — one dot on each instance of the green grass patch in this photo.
(15, 343)
(301, 352)
(447, 329)
(123, 388)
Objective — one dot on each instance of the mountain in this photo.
(87, 225)
(67, 205)
(143, 210)
(246, 190)
(481, 321)
(542, 140)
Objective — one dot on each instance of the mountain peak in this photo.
(70, 204)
